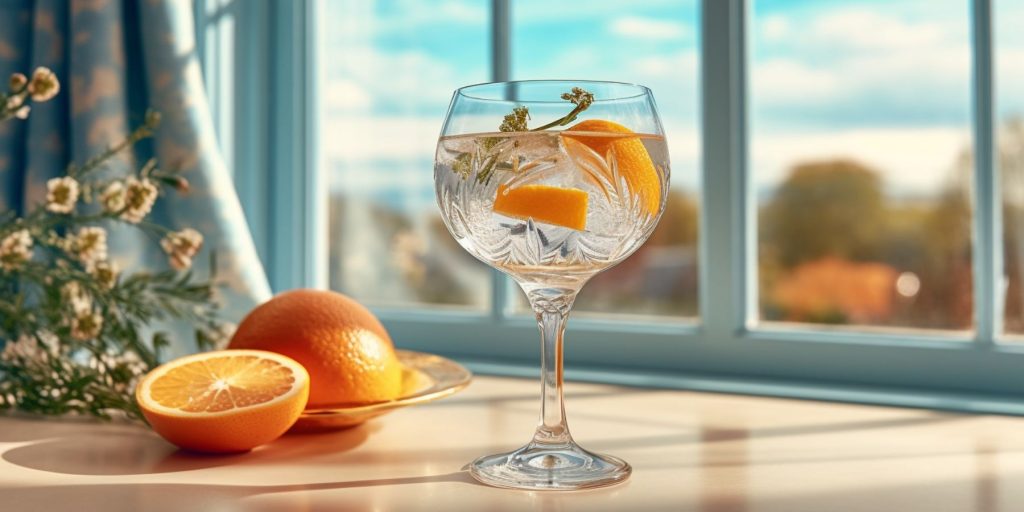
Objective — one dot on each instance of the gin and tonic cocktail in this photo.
(551, 182)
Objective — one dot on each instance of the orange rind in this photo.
(565, 207)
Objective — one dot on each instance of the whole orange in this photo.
(348, 354)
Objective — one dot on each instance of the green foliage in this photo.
(77, 334)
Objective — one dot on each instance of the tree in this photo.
(825, 208)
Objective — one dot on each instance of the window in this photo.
(1009, 154)
(846, 178)
(387, 78)
(860, 160)
(655, 44)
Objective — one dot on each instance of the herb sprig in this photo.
(517, 121)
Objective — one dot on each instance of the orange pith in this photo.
(226, 401)
(350, 357)
(544, 203)
(631, 157)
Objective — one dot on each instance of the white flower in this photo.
(181, 247)
(113, 197)
(31, 348)
(139, 198)
(86, 326)
(14, 102)
(105, 273)
(15, 249)
(25, 348)
(49, 340)
(90, 246)
(61, 194)
(130, 361)
(44, 84)
(22, 113)
(73, 294)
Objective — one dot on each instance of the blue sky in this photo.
(885, 82)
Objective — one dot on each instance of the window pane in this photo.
(653, 44)
(861, 161)
(1009, 69)
(388, 71)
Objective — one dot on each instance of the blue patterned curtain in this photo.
(115, 58)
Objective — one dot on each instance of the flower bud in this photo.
(18, 80)
(182, 185)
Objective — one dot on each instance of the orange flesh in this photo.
(221, 384)
(543, 203)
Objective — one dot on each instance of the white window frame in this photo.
(275, 139)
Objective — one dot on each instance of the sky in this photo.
(884, 82)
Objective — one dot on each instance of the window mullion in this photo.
(501, 70)
(724, 265)
(988, 204)
(296, 239)
(501, 25)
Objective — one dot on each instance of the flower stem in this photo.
(144, 131)
(568, 118)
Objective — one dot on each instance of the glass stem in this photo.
(552, 307)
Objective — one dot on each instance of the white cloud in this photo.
(930, 78)
(544, 12)
(402, 79)
(684, 147)
(863, 56)
(360, 138)
(861, 28)
(910, 159)
(676, 65)
(470, 13)
(774, 27)
(348, 16)
(648, 28)
(1010, 79)
(345, 95)
(785, 80)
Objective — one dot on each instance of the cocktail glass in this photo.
(551, 182)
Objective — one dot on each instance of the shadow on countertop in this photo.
(131, 450)
(157, 497)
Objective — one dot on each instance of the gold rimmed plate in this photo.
(425, 377)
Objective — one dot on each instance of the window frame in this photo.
(725, 350)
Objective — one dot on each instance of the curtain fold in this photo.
(115, 58)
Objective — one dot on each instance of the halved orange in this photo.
(224, 401)
(630, 155)
(544, 203)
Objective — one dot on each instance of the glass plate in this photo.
(425, 377)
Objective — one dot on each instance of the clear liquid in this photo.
(468, 170)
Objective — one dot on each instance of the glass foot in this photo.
(550, 468)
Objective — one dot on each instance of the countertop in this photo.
(690, 451)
